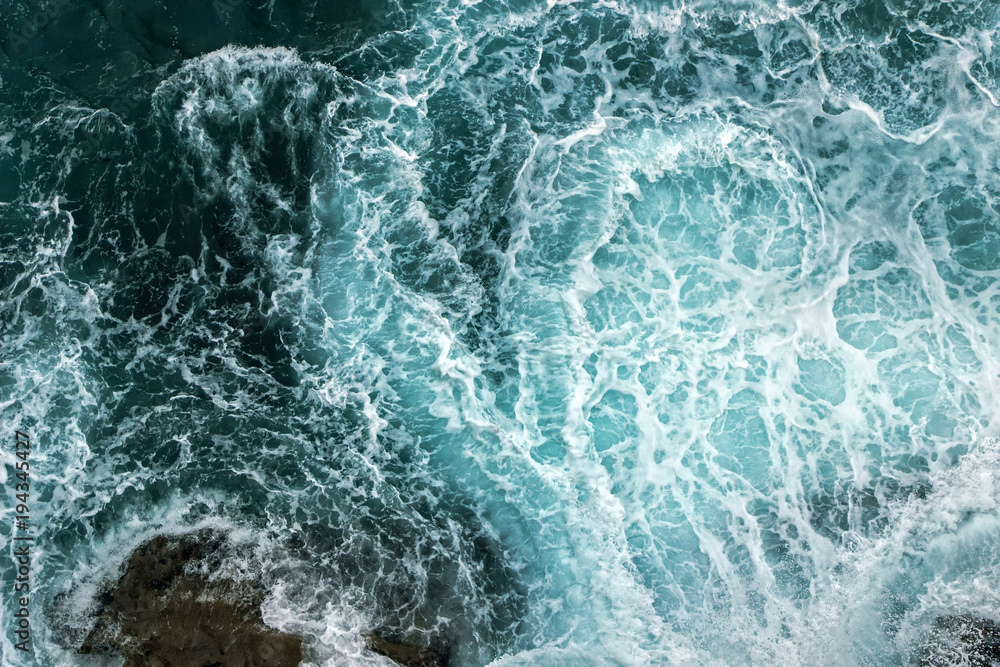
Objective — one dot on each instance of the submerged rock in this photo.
(166, 609)
(405, 654)
(962, 640)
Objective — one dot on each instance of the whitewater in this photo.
(556, 333)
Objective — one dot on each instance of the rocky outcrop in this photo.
(961, 640)
(405, 654)
(166, 610)
(172, 608)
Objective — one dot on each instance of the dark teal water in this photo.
(558, 334)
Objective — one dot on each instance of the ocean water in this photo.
(556, 333)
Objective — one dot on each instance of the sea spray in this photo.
(554, 333)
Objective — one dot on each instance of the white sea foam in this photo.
(707, 358)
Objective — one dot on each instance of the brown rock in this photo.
(165, 611)
(405, 654)
(961, 640)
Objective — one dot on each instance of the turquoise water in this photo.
(558, 334)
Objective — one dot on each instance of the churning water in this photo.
(565, 333)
